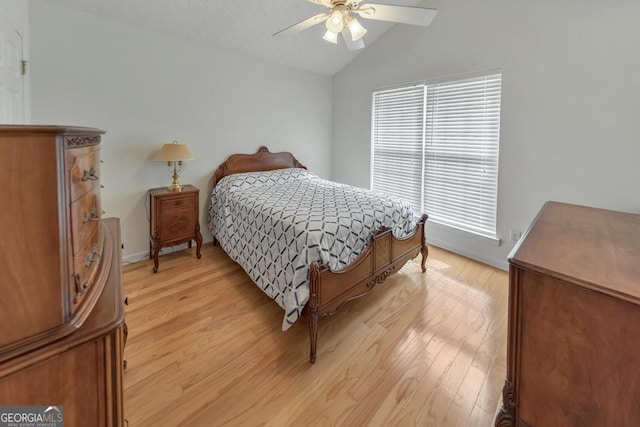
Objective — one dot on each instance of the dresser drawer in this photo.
(84, 266)
(84, 170)
(85, 216)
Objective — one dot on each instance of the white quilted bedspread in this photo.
(275, 224)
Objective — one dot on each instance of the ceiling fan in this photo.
(341, 19)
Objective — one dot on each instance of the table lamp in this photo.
(174, 154)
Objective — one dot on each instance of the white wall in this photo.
(18, 10)
(18, 13)
(570, 127)
(146, 89)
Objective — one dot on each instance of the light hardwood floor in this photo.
(205, 348)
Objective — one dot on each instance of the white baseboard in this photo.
(136, 257)
(461, 250)
(144, 255)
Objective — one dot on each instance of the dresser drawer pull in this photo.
(92, 215)
(89, 175)
(92, 257)
(80, 287)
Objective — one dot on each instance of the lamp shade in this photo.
(356, 29)
(331, 37)
(335, 23)
(173, 152)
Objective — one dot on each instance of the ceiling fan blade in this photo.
(402, 14)
(303, 25)
(351, 45)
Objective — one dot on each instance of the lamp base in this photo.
(175, 185)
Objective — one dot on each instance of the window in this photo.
(435, 144)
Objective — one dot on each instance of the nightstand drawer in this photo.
(177, 224)
(177, 202)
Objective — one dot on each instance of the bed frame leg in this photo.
(313, 311)
(425, 249)
(313, 335)
(425, 253)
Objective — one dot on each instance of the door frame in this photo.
(23, 32)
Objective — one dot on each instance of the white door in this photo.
(11, 78)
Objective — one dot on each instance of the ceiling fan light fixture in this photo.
(331, 37)
(356, 29)
(335, 23)
(340, 19)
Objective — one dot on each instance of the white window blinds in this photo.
(436, 145)
(398, 141)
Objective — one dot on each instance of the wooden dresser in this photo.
(62, 326)
(573, 355)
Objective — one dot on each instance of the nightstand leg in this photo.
(198, 241)
(154, 254)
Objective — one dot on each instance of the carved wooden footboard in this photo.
(329, 290)
(386, 254)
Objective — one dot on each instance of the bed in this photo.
(310, 244)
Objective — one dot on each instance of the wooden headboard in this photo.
(262, 160)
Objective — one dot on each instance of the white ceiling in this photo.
(241, 25)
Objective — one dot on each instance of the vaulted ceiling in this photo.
(241, 25)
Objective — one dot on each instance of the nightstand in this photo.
(174, 220)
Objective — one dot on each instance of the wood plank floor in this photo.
(205, 348)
